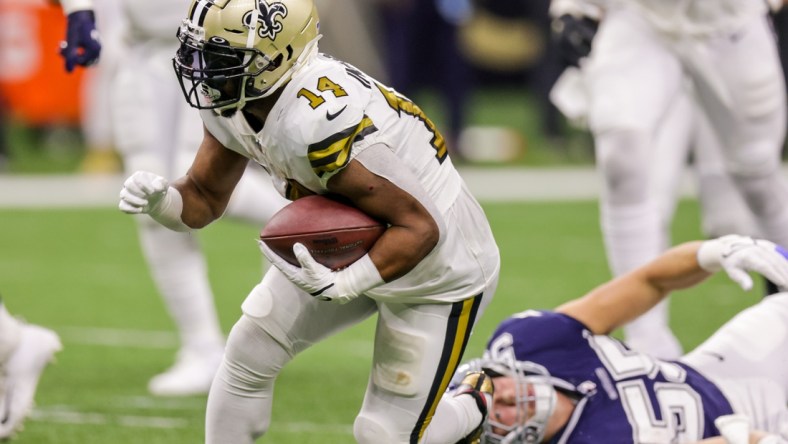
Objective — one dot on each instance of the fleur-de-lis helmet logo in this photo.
(269, 20)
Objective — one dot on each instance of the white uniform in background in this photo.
(641, 57)
(157, 131)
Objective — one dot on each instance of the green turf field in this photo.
(80, 272)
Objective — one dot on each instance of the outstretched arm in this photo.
(623, 299)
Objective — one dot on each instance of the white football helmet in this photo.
(234, 51)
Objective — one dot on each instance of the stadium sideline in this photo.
(489, 184)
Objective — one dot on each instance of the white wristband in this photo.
(709, 255)
(735, 428)
(168, 211)
(70, 6)
(359, 277)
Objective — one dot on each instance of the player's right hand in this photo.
(81, 46)
(141, 192)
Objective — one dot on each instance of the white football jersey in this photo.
(330, 112)
(154, 19)
(697, 17)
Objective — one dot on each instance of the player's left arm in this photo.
(413, 231)
(383, 188)
(207, 187)
(623, 299)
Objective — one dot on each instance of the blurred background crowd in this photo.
(482, 68)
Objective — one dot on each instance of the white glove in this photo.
(149, 193)
(319, 281)
(734, 428)
(738, 255)
(772, 439)
(142, 192)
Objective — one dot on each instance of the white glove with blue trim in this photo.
(738, 255)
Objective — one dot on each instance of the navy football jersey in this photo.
(625, 396)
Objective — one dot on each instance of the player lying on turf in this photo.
(558, 376)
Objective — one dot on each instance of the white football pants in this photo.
(747, 358)
(417, 348)
(634, 75)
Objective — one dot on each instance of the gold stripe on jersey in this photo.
(403, 105)
(333, 153)
(458, 331)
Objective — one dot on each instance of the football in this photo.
(336, 234)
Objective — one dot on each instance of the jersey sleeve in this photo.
(327, 115)
(220, 129)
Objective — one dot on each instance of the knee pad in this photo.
(253, 358)
(623, 158)
(398, 360)
(756, 159)
(762, 194)
(370, 429)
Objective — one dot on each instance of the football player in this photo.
(153, 129)
(641, 58)
(320, 125)
(559, 377)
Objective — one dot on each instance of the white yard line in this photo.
(113, 337)
(118, 337)
(66, 415)
(487, 184)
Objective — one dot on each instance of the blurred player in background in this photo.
(153, 129)
(96, 122)
(26, 349)
(643, 56)
(684, 132)
(322, 126)
(558, 377)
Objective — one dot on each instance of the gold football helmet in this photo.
(234, 51)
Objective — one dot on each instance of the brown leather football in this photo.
(336, 234)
